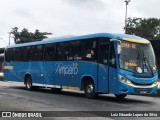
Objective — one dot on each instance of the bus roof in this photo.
(72, 38)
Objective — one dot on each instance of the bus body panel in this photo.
(113, 80)
(103, 78)
(49, 76)
(36, 71)
(86, 69)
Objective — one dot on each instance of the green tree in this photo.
(40, 35)
(25, 36)
(146, 28)
(16, 34)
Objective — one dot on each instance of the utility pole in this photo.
(9, 38)
(127, 2)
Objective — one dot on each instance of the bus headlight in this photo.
(123, 79)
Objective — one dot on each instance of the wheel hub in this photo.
(90, 89)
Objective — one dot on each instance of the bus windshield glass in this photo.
(137, 58)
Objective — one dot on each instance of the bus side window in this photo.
(11, 54)
(30, 50)
(103, 54)
(103, 50)
(85, 50)
(78, 50)
(7, 55)
(16, 54)
(49, 54)
(25, 54)
(112, 58)
(68, 51)
(59, 51)
(90, 48)
(38, 53)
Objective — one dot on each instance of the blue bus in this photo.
(99, 63)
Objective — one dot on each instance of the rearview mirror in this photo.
(118, 42)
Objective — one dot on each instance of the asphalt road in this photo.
(16, 98)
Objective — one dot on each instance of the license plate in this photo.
(143, 92)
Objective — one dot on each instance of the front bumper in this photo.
(137, 89)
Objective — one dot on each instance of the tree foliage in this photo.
(25, 36)
(146, 28)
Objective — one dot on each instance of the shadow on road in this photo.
(110, 98)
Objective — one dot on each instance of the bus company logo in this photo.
(21, 114)
(66, 69)
(6, 114)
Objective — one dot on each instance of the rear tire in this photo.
(28, 83)
(90, 90)
(120, 96)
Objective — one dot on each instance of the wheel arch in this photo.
(85, 79)
(25, 76)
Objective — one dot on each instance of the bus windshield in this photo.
(137, 58)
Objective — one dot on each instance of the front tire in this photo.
(90, 90)
(28, 83)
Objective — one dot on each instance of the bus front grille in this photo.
(141, 84)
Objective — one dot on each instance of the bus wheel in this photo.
(90, 90)
(29, 83)
(120, 96)
(56, 90)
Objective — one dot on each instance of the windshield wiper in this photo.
(147, 64)
(138, 58)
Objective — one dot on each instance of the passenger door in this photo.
(107, 71)
(103, 69)
(112, 69)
